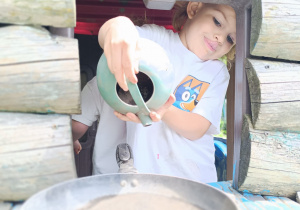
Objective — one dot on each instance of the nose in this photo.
(220, 38)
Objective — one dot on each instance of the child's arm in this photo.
(118, 37)
(190, 125)
(78, 129)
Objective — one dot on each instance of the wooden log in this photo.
(274, 89)
(275, 30)
(36, 152)
(38, 72)
(5, 206)
(34, 12)
(269, 162)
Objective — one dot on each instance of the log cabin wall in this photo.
(40, 88)
(270, 143)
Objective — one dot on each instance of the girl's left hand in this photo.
(154, 115)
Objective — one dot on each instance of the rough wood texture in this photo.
(38, 72)
(36, 152)
(275, 94)
(5, 206)
(275, 30)
(269, 162)
(34, 12)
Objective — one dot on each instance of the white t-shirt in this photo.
(111, 131)
(157, 148)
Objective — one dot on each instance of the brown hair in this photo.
(180, 14)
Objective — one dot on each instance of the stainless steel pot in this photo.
(76, 194)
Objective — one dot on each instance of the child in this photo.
(180, 142)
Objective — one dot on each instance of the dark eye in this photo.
(217, 22)
(185, 96)
(229, 40)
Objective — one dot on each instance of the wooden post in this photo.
(38, 72)
(36, 152)
(270, 162)
(34, 12)
(275, 94)
(275, 29)
(230, 120)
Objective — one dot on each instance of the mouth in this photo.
(211, 45)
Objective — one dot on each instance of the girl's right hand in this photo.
(118, 37)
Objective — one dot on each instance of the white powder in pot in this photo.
(138, 201)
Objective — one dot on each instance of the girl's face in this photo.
(210, 30)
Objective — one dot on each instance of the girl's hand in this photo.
(154, 115)
(77, 147)
(119, 39)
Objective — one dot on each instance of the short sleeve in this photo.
(211, 104)
(153, 32)
(89, 111)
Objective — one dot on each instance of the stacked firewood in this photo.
(40, 88)
(270, 144)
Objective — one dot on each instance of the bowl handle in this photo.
(143, 112)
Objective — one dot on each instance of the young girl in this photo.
(180, 142)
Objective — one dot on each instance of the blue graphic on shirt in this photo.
(186, 96)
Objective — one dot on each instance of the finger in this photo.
(121, 116)
(162, 110)
(133, 117)
(121, 79)
(137, 58)
(155, 117)
(115, 62)
(169, 102)
(128, 62)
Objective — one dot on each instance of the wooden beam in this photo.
(34, 12)
(241, 96)
(36, 152)
(275, 29)
(5, 206)
(275, 94)
(230, 121)
(38, 72)
(270, 162)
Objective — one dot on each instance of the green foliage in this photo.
(223, 124)
(223, 128)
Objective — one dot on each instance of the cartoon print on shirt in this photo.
(189, 92)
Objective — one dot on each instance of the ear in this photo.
(193, 8)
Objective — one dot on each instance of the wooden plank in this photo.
(34, 12)
(5, 206)
(290, 203)
(241, 200)
(38, 72)
(275, 29)
(246, 200)
(36, 152)
(17, 207)
(230, 121)
(241, 94)
(276, 201)
(275, 94)
(270, 162)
